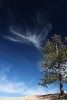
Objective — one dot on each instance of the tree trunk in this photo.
(61, 85)
(61, 89)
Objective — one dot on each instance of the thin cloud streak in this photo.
(34, 39)
(12, 39)
(29, 38)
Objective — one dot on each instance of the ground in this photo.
(40, 97)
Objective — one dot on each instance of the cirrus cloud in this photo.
(35, 39)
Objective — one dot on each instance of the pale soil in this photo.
(41, 97)
(26, 98)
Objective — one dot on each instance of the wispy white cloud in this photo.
(12, 39)
(39, 23)
(36, 36)
(28, 38)
(35, 39)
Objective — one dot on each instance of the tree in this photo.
(54, 63)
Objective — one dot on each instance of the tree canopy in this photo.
(54, 63)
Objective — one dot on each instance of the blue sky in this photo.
(24, 27)
(25, 83)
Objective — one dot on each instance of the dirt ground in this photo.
(41, 97)
(25, 98)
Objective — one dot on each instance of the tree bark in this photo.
(61, 88)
